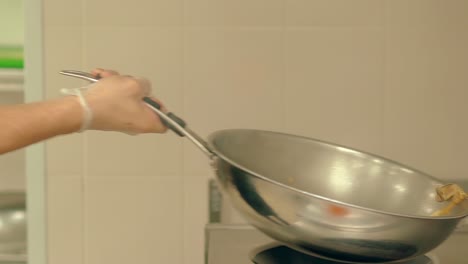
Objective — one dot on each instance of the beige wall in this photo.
(11, 22)
(387, 77)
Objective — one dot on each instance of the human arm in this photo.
(116, 105)
(26, 124)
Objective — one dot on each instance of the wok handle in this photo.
(170, 115)
(170, 120)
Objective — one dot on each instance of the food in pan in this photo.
(449, 192)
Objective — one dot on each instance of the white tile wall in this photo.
(240, 85)
(134, 220)
(66, 13)
(65, 219)
(327, 94)
(63, 49)
(424, 111)
(333, 13)
(240, 13)
(142, 13)
(195, 215)
(382, 76)
(126, 156)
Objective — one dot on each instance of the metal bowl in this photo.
(329, 200)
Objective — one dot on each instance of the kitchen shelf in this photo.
(11, 56)
(13, 258)
(11, 80)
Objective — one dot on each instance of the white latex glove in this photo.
(116, 102)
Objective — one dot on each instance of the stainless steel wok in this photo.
(321, 198)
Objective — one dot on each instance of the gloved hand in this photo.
(116, 103)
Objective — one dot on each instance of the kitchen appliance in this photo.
(242, 244)
(332, 201)
(280, 254)
(13, 227)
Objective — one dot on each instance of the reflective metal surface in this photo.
(328, 200)
(239, 244)
(12, 224)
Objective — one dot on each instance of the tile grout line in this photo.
(384, 75)
(283, 67)
(183, 110)
(84, 251)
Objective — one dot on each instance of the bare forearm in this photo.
(114, 103)
(26, 124)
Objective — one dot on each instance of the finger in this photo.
(102, 73)
(163, 108)
(157, 126)
(145, 85)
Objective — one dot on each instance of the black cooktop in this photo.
(279, 254)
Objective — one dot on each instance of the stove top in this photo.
(280, 254)
(243, 244)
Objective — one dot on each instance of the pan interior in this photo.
(332, 171)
